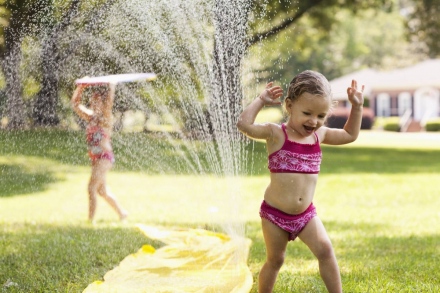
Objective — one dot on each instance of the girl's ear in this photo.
(288, 103)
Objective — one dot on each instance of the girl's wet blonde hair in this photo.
(311, 82)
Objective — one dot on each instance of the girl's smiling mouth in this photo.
(309, 128)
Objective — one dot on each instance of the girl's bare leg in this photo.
(104, 191)
(92, 206)
(93, 190)
(316, 238)
(276, 241)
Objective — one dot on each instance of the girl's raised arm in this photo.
(246, 121)
(82, 111)
(352, 127)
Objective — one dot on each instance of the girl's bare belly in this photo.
(291, 193)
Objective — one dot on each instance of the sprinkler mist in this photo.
(196, 50)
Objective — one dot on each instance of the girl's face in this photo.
(307, 113)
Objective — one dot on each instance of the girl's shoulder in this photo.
(274, 127)
(278, 133)
(321, 132)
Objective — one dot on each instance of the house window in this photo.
(404, 102)
(383, 105)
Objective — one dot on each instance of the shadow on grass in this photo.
(48, 258)
(157, 153)
(17, 180)
(66, 147)
(369, 262)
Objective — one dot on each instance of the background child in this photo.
(99, 120)
(287, 210)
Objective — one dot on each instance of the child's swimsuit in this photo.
(95, 134)
(293, 157)
(293, 224)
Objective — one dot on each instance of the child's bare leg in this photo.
(276, 241)
(316, 238)
(92, 190)
(105, 192)
(96, 180)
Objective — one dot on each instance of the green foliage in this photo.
(423, 25)
(433, 125)
(273, 12)
(349, 43)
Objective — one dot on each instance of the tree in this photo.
(46, 20)
(424, 25)
(352, 44)
(54, 29)
(22, 19)
(267, 19)
(281, 14)
(10, 53)
(44, 111)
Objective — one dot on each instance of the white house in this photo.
(412, 93)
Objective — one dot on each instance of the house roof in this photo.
(363, 77)
(423, 74)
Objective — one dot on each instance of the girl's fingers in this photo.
(274, 92)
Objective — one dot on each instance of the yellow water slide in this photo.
(192, 260)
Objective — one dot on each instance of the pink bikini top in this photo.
(95, 134)
(294, 157)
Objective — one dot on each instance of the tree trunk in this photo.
(44, 111)
(15, 111)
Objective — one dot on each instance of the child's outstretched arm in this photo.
(82, 111)
(351, 129)
(246, 121)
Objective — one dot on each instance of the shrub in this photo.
(433, 125)
(339, 116)
(391, 124)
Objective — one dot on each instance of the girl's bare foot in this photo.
(123, 216)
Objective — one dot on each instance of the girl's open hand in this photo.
(355, 96)
(271, 94)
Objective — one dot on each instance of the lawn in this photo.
(377, 197)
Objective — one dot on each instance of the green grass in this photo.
(378, 199)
